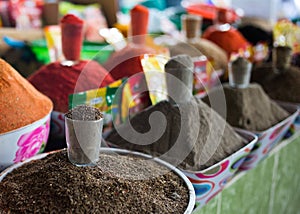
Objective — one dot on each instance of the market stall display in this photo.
(169, 150)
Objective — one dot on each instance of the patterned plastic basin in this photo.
(23, 143)
(295, 127)
(189, 185)
(269, 138)
(209, 182)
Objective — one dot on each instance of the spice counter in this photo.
(272, 187)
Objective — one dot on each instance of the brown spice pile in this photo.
(201, 143)
(249, 108)
(119, 184)
(20, 103)
(279, 86)
(202, 47)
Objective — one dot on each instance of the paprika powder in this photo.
(225, 36)
(126, 62)
(20, 103)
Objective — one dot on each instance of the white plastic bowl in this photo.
(24, 142)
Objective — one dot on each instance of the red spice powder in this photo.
(58, 81)
(231, 40)
(139, 24)
(71, 19)
(126, 62)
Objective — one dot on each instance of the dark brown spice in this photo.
(119, 184)
(84, 112)
(202, 143)
(283, 86)
(249, 108)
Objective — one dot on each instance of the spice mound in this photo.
(193, 132)
(284, 86)
(118, 184)
(20, 103)
(58, 81)
(249, 108)
(202, 47)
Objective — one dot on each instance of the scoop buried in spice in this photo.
(179, 78)
(281, 57)
(239, 73)
(83, 134)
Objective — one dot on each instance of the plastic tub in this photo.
(269, 138)
(209, 182)
(24, 142)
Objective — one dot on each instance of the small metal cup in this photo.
(239, 73)
(83, 141)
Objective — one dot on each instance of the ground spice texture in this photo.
(118, 184)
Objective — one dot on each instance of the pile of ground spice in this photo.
(118, 184)
(205, 140)
(126, 62)
(58, 81)
(249, 108)
(224, 35)
(199, 48)
(283, 86)
(20, 103)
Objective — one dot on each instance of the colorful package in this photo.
(134, 96)
(154, 70)
(102, 98)
(205, 77)
(284, 33)
(118, 101)
(53, 39)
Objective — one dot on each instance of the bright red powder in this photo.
(58, 81)
(71, 19)
(71, 36)
(126, 62)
